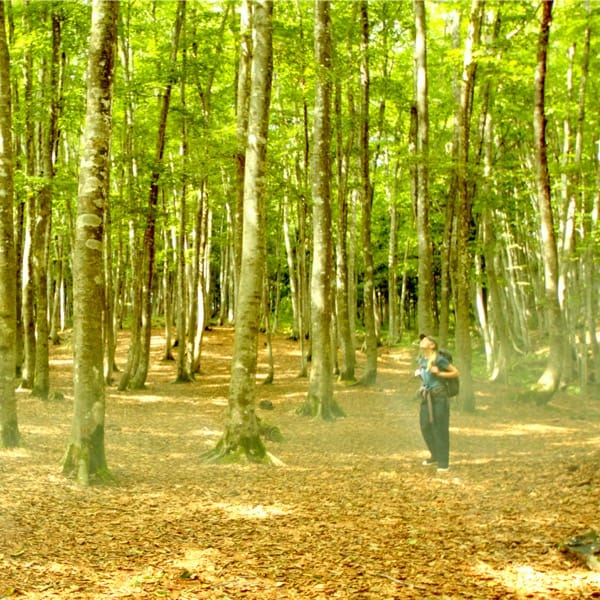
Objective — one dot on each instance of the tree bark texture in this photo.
(320, 401)
(242, 100)
(549, 380)
(345, 325)
(425, 293)
(27, 279)
(9, 428)
(85, 454)
(370, 374)
(43, 216)
(241, 439)
(464, 204)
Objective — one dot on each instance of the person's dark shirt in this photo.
(431, 380)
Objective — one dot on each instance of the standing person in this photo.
(434, 414)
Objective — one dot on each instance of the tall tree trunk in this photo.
(110, 338)
(549, 381)
(140, 372)
(27, 280)
(170, 258)
(591, 286)
(394, 326)
(184, 373)
(85, 456)
(425, 293)
(19, 239)
(447, 252)
(496, 335)
(242, 99)
(291, 264)
(266, 314)
(9, 428)
(345, 329)
(57, 276)
(200, 289)
(586, 349)
(304, 247)
(370, 374)
(572, 224)
(319, 401)
(464, 202)
(241, 438)
(43, 218)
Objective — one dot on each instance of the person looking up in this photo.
(434, 414)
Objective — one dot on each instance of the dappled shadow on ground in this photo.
(352, 514)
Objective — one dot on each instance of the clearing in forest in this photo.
(352, 514)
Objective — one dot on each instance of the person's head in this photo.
(427, 343)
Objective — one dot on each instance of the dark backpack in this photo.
(452, 385)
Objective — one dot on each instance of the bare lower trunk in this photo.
(241, 439)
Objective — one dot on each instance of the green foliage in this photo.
(203, 103)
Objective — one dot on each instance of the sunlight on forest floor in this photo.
(525, 580)
(353, 514)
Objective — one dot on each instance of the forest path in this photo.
(352, 514)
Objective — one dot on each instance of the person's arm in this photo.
(449, 372)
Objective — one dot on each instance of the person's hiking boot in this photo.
(428, 462)
(443, 469)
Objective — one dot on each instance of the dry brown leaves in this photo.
(353, 514)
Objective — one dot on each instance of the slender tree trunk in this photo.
(549, 381)
(241, 439)
(590, 265)
(184, 373)
(19, 237)
(319, 401)
(27, 280)
(403, 290)
(572, 224)
(85, 456)
(303, 245)
(464, 266)
(496, 337)
(110, 340)
(447, 248)
(393, 297)
(134, 351)
(345, 329)
(303, 248)
(9, 427)
(227, 267)
(138, 378)
(28, 296)
(242, 100)
(266, 310)
(425, 293)
(291, 264)
(200, 289)
(585, 345)
(57, 276)
(43, 219)
(370, 374)
(170, 251)
(500, 348)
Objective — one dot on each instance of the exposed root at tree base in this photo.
(218, 456)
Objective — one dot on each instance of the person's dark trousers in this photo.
(437, 433)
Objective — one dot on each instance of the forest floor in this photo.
(352, 514)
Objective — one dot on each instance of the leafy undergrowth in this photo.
(352, 514)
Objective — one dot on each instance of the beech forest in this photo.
(226, 225)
